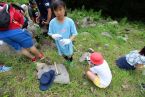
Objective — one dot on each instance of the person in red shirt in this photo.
(19, 38)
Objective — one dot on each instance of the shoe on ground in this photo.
(41, 56)
(34, 59)
(5, 68)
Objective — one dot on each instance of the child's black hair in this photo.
(32, 2)
(142, 51)
(58, 3)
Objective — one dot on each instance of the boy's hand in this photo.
(65, 41)
(84, 57)
(56, 36)
(45, 22)
(37, 20)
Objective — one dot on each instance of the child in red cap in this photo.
(99, 72)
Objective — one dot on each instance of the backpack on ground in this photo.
(4, 16)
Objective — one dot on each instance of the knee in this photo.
(32, 48)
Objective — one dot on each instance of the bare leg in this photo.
(91, 75)
(94, 78)
(34, 50)
(27, 53)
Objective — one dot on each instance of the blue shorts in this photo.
(123, 64)
(19, 41)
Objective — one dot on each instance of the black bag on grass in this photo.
(4, 16)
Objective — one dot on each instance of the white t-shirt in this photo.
(104, 73)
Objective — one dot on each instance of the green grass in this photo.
(22, 82)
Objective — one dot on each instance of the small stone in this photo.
(85, 22)
(123, 38)
(85, 33)
(125, 87)
(113, 22)
(107, 34)
(106, 46)
(84, 83)
(88, 22)
(97, 45)
(102, 21)
(92, 25)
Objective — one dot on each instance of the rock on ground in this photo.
(62, 77)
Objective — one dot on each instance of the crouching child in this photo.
(133, 60)
(99, 72)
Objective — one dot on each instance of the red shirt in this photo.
(17, 19)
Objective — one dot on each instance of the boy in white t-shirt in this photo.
(99, 72)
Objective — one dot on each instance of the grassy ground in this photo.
(22, 82)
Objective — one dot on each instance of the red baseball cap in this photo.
(96, 58)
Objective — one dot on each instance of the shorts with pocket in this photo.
(19, 41)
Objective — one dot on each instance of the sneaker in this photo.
(5, 68)
(34, 59)
(41, 56)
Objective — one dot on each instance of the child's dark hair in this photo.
(32, 2)
(142, 51)
(58, 3)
